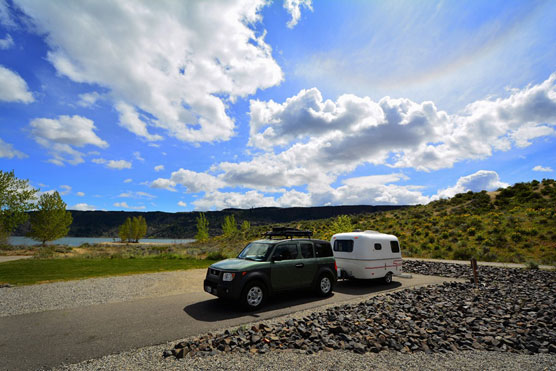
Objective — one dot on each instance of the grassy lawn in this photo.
(31, 271)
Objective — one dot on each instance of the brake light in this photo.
(335, 266)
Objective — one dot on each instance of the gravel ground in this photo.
(73, 294)
(150, 359)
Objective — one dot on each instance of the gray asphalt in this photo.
(47, 339)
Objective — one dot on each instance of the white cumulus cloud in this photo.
(88, 99)
(482, 180)
(194, 182)
(7, 151)
(180, 62)
(6, 18)
(118, 164)
(158, 168)
(546, 169)
(223, 200)
(80, 194)
(138, 156)
(13, 88)
(294, 8)
(60, 135)
(82, 207)
(129, 119)
(124, 205)
(309, 140)
(65, 189)
(182, 204)
(375, 190)
(7, 42)
(138, 194)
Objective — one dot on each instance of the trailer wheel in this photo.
(388, 278)
(324, 285)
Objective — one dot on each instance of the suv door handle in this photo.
(299, 265)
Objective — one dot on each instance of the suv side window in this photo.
(323, 249)
(306, 250)
(394, 246)
(286, 252)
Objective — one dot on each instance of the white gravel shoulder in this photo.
(73, 294)
(150, 358)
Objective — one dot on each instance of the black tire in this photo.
(388, 278)
(324, 285)
(253, 295)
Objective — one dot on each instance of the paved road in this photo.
(48, 339)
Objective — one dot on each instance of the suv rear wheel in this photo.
(253, 295)
(324, 285)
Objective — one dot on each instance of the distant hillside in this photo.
(184, 225)
(514, 224)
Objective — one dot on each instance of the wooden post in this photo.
(475, 275)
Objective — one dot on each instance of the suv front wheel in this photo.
(324, 285)
(253, 295)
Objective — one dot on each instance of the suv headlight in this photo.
(228, 276)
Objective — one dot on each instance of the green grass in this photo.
(31, 271)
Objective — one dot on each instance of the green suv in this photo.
(268, 266)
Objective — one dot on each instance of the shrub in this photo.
(531, 264)
(438, 254)
(463, 253)
(215, 255)
(516, 237)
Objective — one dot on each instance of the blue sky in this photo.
(187, 105)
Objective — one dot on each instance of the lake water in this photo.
(78, 241)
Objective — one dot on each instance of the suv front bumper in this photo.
(228, 290)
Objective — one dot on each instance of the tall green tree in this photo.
(16, 197)
(125, 231)
(138, 228)
(51, 220)
(133, 229)
(245, 227)
(229, 227)
(202, 228)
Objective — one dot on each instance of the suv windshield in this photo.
(255, 251)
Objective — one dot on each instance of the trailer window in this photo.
(323, 249)
(378, 246)
(306, 250)
(394, 246)
(343, 245)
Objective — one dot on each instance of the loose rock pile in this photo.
(513, 310)
(487, 274)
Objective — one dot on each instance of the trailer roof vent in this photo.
(373, 232)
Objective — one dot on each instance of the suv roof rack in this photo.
(287, 233)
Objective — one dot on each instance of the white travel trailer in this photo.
(366, 255)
